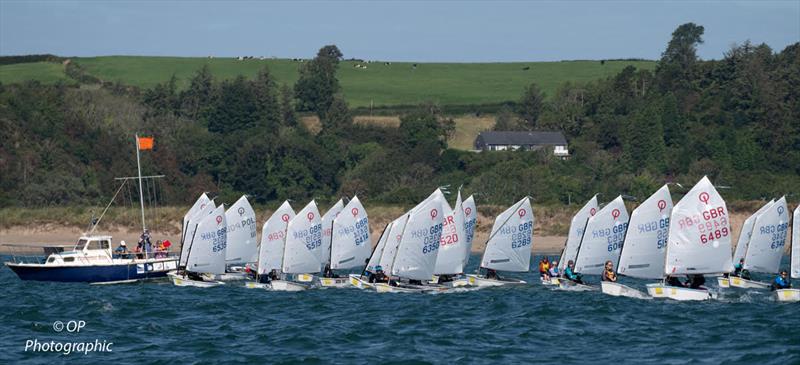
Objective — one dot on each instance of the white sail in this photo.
(392, 242)
(241, 220)
(273, 237)
(603, 239)
(207, 250)
(576, 228)
(419, 244)
(511, 241)
(747, 232)
(191, 227)
(375, 259)
(303, 249)
(450, 259)
(699, 240)
(350, 245)
(795, 265)
(765, 250)
(470, 222)
(201, 203)
(645, 246)
(327, 229)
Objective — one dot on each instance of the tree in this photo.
(235, 109)
(196, 100)
(266, 97)
(676, 68)
(530, 106)
(317, 85)
(505, 120)
(288, 116)
(337, 117)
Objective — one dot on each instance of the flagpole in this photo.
(141, 194)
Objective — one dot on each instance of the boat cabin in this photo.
(88, 250)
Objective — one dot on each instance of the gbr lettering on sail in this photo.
(712, 223)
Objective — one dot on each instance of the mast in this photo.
(141, 196)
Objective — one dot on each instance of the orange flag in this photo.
(145, 143)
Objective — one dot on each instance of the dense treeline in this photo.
(736, 119)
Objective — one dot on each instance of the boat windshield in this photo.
(80, 245)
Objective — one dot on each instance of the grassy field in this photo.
(379, 84)
(47, 72)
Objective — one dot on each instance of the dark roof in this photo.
(523, 138)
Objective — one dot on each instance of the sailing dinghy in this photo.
(302, 249)
(418, 247)
(793, 295)
(242, 247)
(698, 243)
(270, 250)
(602, 241)
(741, 245)
(509, 246)
(765, 249)
(359, 280)
(645, 246)
(205, 253)
(327, 230)
(576, 228)
(350, 242)
(453, 247)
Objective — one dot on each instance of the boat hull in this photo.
(723, 282)
(183, 280)
(737, 282)
(571, 285)
(98, 273)
(283, 285)
(334, 282)
(788, 295)
(255, 285)
(684, 294)
(304, 278)
(481, 282)
(619, 290)
(359, 282)
(658, 290)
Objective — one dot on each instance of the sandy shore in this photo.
(51, 236)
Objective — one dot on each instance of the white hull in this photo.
(182, 280)
(405, 288)
(573, 286)
(788, 295)
(304, 278)
(723, 282)
(283, 285)
(658, 290)
(551, 282)
(481, 282)
(255, 285)
(682, 294)
(334, 282)
(747, 284)
(228, 276)
(619, 290)
(359, 282)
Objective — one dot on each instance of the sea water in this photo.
(159, 323)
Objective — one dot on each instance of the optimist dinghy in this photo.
(360, 281)
(576, 228)
(765, 249)
(645, 247)
(242, 247)
(742, 243)
(602, 241)
(350, 242)
(509, 246)
(793, 295)
(205, 253)
(699, 241)
(302, 249)
(450, 260)
(419, 240)
(271, 248)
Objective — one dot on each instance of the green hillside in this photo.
(379, 83)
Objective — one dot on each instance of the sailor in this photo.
(328, 272)
(570, 273)
(444, 279)
(608, 273)
(273, 275)
(492, 274)
(378, 276)
(544, 267)
(695, 281)
(737, 269)
(673, 281)
(781, 282)
(553, 272)
(122, 250)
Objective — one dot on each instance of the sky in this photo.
(423, 31)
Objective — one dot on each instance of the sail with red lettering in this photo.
(350, 245)
(747, 232)
(470, 222)
(576, 228)
(603, 238)
(450, 259)
(699, 239)
(273, 236)
(765, 250)
(420, 240)
(795, 261)
(303, 247)
(206, 253)
(645, 244)
(511, 241)
(242, 230)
